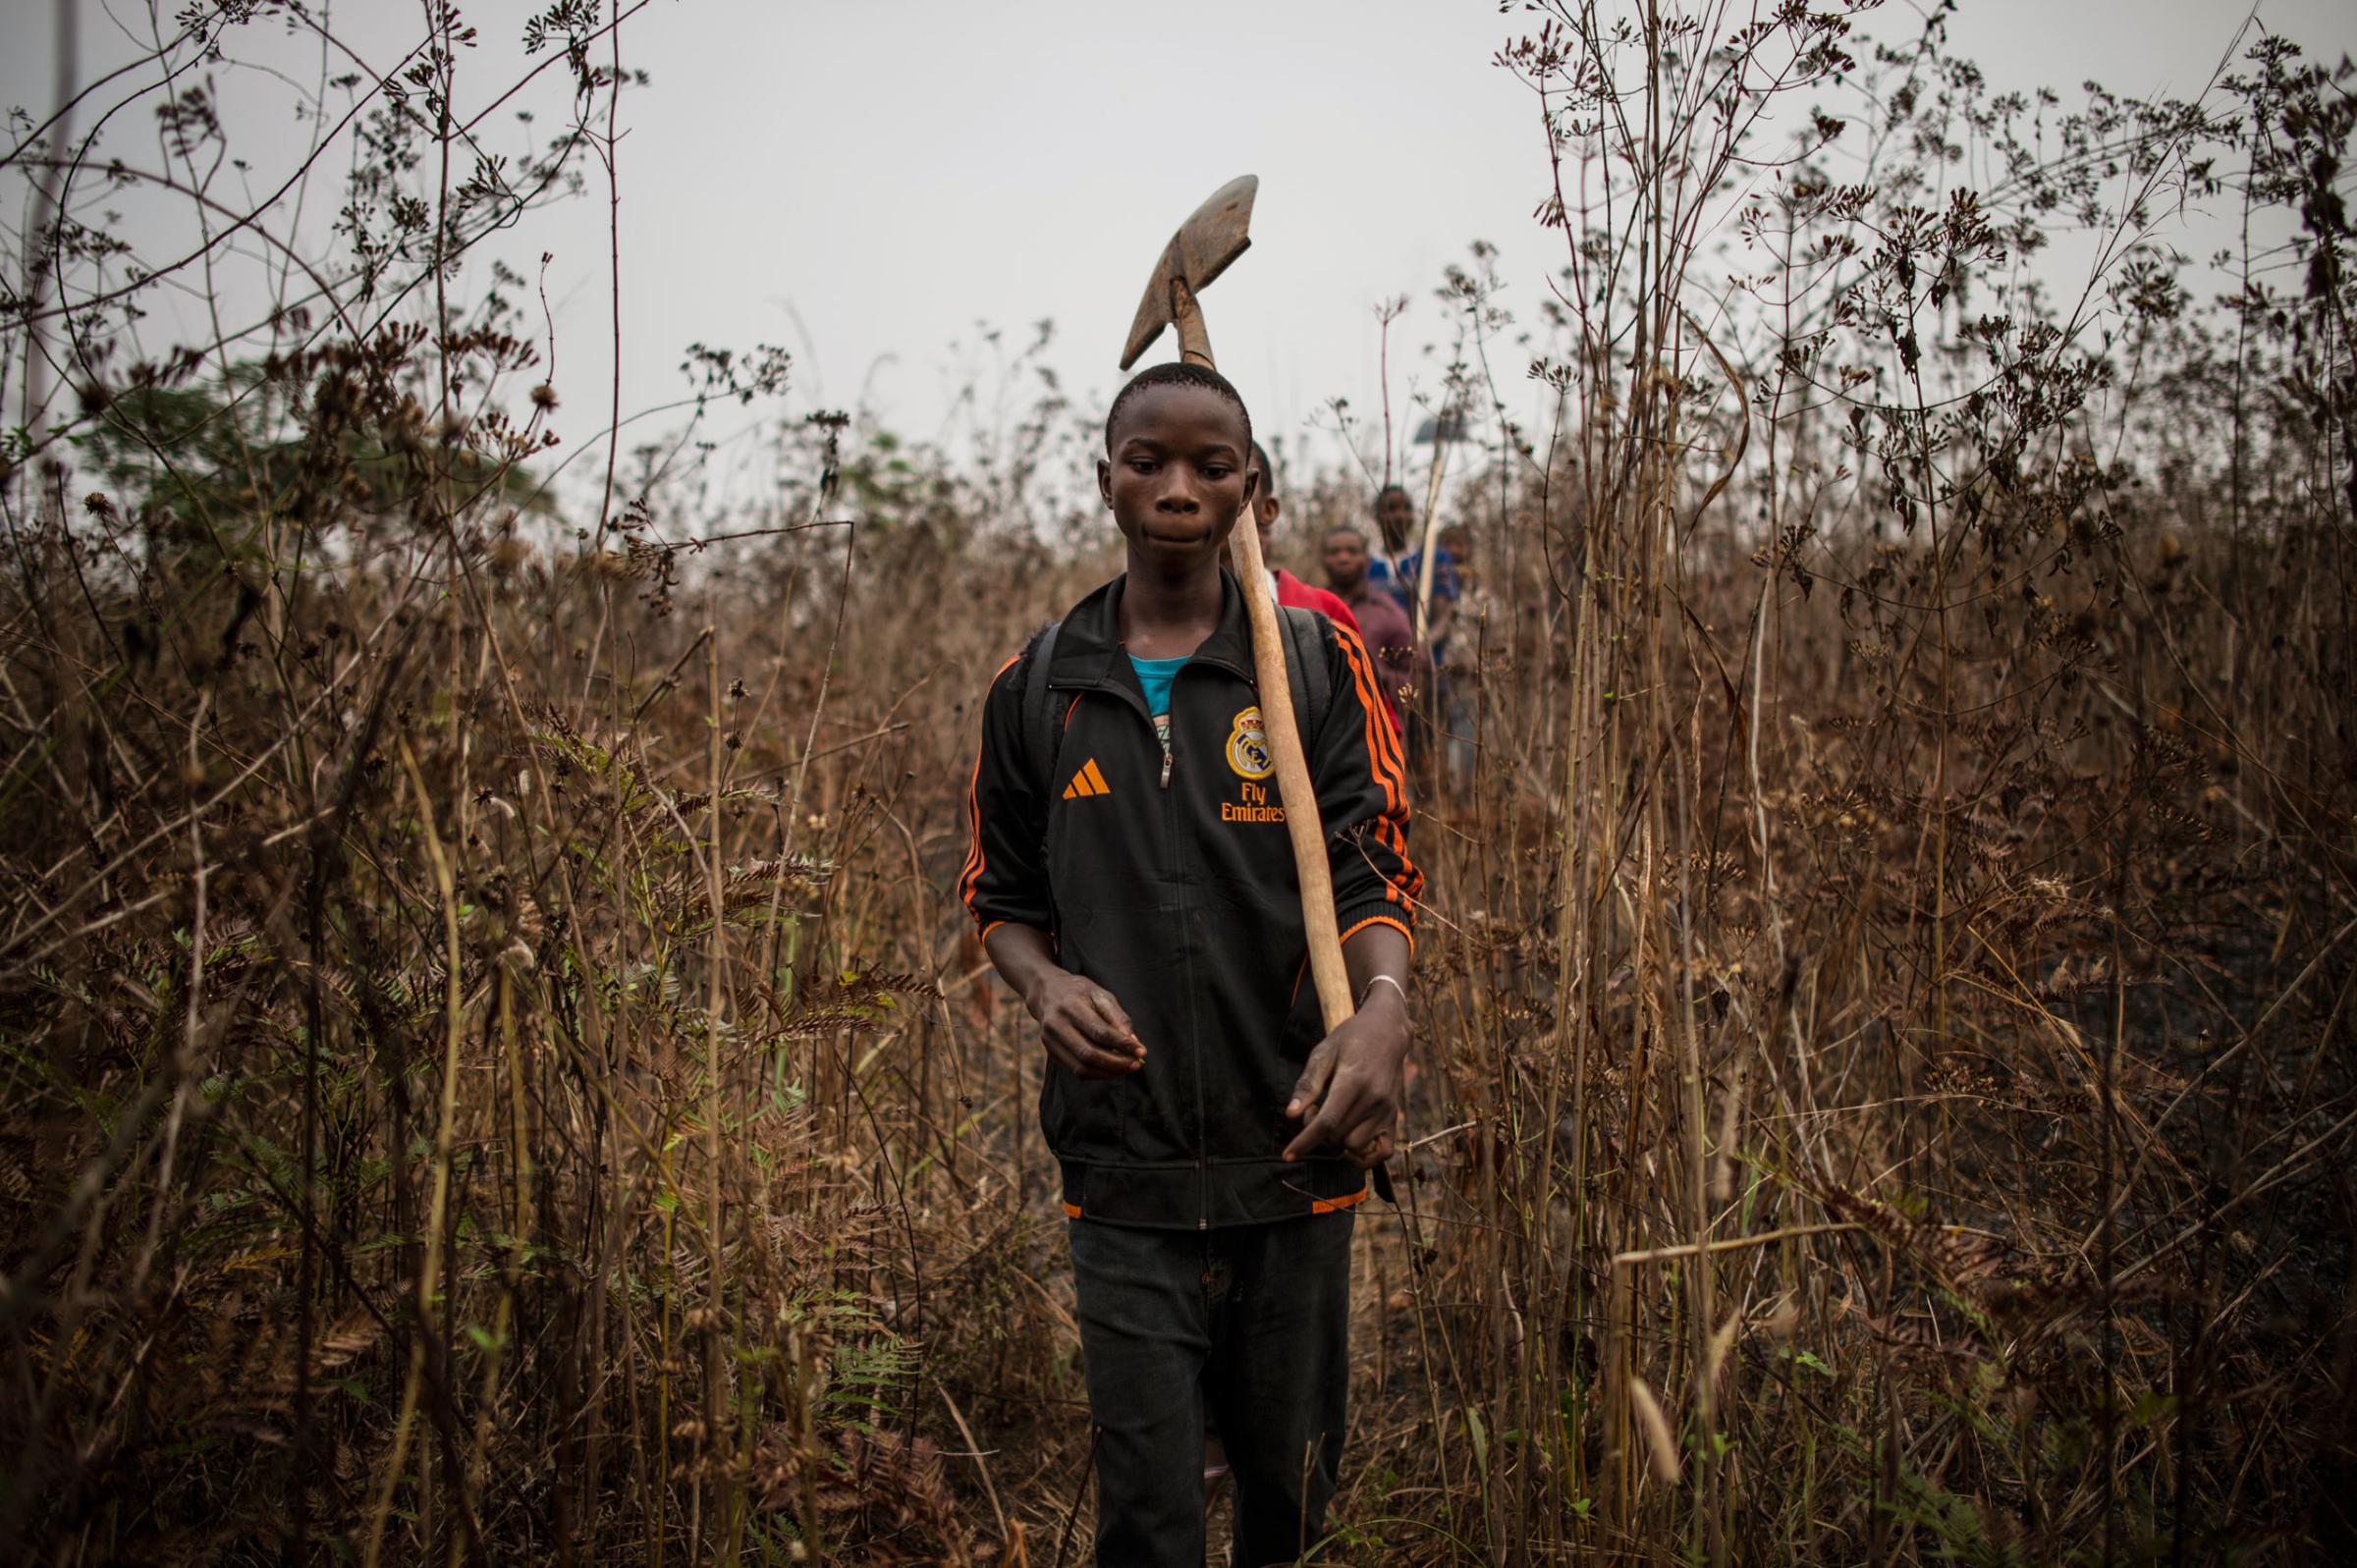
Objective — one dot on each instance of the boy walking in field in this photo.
(1131, 876)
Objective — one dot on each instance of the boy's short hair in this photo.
(1350, 528)
(1388, 490)
(1177, 373)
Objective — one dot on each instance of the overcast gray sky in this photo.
(863, 183)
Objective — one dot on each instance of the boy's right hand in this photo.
(1084, 1029)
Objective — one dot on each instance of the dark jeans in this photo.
(1251, 1323)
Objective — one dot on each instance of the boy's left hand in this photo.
(1352, 1088)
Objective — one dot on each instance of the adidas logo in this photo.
(1087, 782)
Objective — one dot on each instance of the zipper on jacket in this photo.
(1179, 840)
(1164, 735)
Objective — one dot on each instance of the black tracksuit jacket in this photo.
(1176, 891)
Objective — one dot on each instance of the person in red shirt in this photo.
(1292, 590)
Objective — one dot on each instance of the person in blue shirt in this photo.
(1394, 569)
(1393, 566)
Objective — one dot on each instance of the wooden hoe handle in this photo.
(1293, 787)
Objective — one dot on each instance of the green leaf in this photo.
(1481, 1444)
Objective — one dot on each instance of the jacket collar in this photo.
(1088, 649)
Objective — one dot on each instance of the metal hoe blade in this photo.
(1210, 238)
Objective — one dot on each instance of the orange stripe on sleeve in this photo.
(1389, 771)
(1401, 926)
(974, 857)
(1383, 755)
(1370, 687)
(974, 852)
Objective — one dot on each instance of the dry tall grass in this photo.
(494, 1072)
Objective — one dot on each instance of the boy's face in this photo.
(1395, 514)
(1176, 479)
(1344, 557)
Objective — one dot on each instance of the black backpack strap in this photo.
(1039, 714)
(1306, 673)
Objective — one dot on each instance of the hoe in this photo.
(1212, 237)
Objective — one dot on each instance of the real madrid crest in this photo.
(1248, 747)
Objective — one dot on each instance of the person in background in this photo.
(1291, 592)
(1394, 564)
(1395, 531)
(1383, 626)
(1394, 570)
(1458, 684)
